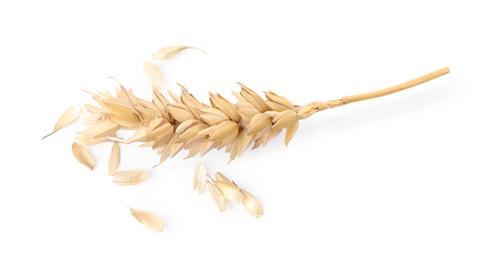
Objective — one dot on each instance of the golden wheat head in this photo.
(185, 123)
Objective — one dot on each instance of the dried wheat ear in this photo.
(181, 122)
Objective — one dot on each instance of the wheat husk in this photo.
(199, 177)
(114, 160)
(148, 219)
(83, 155)
(154, 75)
(69, 116)
(132, 177)
(217, 195)
(169, 52)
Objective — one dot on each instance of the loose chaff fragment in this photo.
(149, 220)
(83, 155)
(69, 116)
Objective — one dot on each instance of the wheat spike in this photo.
(186, 123)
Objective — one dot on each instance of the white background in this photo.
(401, 177)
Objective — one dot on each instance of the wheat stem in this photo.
(383, 92)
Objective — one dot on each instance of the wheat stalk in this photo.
(185, 123)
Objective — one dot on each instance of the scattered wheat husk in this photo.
(69, 116)
(132, 177)
(114, 160)
(149, 220)
(154, 75)
(199, 177)
(169, 52)
(83, 155)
